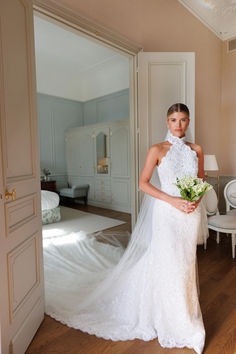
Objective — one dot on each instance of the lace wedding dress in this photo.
(147, 290)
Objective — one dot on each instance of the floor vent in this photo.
(232, 45)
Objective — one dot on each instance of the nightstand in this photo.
(48, 186)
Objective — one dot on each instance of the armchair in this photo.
(75, 192)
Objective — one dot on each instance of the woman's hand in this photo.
(183, 205)
(198, 201)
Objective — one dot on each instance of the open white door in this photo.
(21, 261)
(163, 79)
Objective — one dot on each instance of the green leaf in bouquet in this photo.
(202, 193)
(196, 198)
(192, 194)
(183, 194)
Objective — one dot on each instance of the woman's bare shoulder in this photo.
(158, 148)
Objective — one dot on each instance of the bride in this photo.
(149, 289)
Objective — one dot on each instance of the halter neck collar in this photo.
(175, 139)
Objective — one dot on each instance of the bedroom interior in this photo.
(83, 115)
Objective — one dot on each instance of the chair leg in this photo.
(233, 244)
(218, 237)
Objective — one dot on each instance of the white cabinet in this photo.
(103, 190)
(78, 148)
(99, 155)
(120, 151)
(121, 193)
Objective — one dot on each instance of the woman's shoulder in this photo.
(159, 147)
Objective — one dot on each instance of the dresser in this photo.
(48, 186)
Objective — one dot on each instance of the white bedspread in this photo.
(49, 200)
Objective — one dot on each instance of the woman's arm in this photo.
(200, 154)
(151, 160)
(146, 174)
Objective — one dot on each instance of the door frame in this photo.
(91, 30)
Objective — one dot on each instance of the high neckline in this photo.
(175, 139)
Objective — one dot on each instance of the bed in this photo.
(50, 207)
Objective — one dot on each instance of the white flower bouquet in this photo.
(192, 187)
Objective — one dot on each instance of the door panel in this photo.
(18, 260)
(17, 86)
(120, 151)
(21, 257)
(163, 79)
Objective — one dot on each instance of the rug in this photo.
(73, 220)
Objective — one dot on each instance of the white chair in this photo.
(230, 197)
(211, 204)
(220, 223)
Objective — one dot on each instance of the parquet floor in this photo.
(217, 273)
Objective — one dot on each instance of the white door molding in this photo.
(73, 21)
(85, 26)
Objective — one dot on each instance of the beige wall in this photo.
(228, 112)
(165, 26)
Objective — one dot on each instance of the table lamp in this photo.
(210, 164)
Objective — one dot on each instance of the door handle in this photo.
(8, 195)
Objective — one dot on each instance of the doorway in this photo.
(122, 48)
(84, 128)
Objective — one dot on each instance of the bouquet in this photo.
(192, 188)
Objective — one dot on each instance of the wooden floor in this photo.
(217, 273)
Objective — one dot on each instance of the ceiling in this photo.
(217, 15)
(71, 66)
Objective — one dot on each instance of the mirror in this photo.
(101, 151)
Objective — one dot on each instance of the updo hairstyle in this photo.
(178, 107)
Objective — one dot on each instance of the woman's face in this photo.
(178, 122)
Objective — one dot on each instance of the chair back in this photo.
(230, 194)
(211, 202)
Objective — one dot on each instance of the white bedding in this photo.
(49, 200)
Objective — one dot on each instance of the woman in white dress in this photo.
(148, 290)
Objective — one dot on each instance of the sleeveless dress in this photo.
(146, 291)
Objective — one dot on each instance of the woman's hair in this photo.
(178, 107)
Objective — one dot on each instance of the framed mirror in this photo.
(102, 153)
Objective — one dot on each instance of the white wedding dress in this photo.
(148, 290)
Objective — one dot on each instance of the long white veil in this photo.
(101, 270)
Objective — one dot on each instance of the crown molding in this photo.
(182, 2)
(87, 27)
